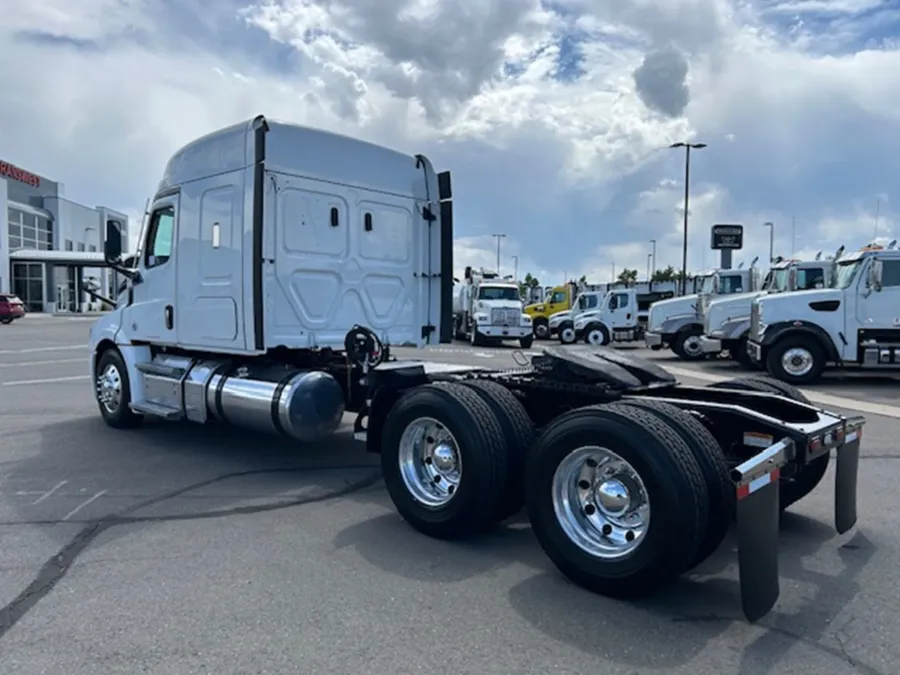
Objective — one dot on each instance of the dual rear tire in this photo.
(622, 497)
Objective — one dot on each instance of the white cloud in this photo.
(800, 115)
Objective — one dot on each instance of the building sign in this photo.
(12, 171)
(727, 237)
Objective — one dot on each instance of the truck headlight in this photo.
(482, 318)
(526, 319)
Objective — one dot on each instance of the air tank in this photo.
(304, 405)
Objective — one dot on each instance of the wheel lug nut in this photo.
(607, 530)
(451, 489)
(437, 479)
(428, 460)
(429, 439)
(590, 509)
(629, 536)
(583, 484)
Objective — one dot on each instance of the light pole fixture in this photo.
(687, 194)
(498, 237)
(771, 227)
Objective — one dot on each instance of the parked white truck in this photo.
(726, 320)
(615, 316)
(488, 309)
(855, 322)
(676, 323)
(279, 266)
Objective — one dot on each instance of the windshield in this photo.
(776, 280)
(846, 273)
(498, 293)
(707, 284)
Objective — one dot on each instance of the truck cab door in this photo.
(622, 310)
(150, 316)
(878, 311)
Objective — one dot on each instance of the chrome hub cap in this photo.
(109, 389)
(692, 346)
(430, 462)
(595, 337)
(542, 330)
(601, 503)
(797, 361)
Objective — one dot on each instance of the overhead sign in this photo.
(727, 237)
(12, 171)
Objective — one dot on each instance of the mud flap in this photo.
(758, 508)
(846, 474)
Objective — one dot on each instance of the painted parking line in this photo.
(31, 364)
(815, 396)
(46, 380)
(37, 350)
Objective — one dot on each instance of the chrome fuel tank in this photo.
(303, 405)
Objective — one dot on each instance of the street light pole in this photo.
(649, 258)
(771, 227)
(516, 268)
(498, 237)
(687, 194)
(653, 267)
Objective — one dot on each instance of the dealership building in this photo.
(50, 246)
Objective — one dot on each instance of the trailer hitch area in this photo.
(758, 508)
(756, 481)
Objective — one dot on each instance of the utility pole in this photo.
(649, 258)
(515, 268)
(687, 193)
(612, 274)
(653, 266)
(498, 237)
(771, 227)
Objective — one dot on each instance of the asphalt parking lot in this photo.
(176, 549)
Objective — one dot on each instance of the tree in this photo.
(628, 276)
(528, 283)
(667, 274)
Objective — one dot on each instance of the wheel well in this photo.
(690, 327)
(102, 347)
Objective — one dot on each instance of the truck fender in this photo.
(676, 324)
(778, 331)
(735, 330)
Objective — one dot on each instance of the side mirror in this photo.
(112, 245)
(875, 272)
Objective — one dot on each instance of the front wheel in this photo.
(113, 390)
(541, 329)
(597, 336)
(796, 360)
(687, 345)
(567, 334)
(742, 356)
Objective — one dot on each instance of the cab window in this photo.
(591, 301)
(808, 279)
(621, 300)
(730, 284)
(159, 237)
(890, 273)
(558, 296)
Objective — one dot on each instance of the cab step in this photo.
(157, 410)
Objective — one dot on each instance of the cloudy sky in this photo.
(553, 115)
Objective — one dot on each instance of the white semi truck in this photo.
(726, 320)
(488, 309)
(854, 323)
(676, 323)
(279, 266)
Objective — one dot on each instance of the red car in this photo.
(11, 308)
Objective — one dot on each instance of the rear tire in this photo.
(794, 488)
(112, 389)
(518, 432)
(687, 344)
(464, 434)
(667, 475)
(713, 465)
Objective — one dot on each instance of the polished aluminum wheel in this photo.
(797, 361)
(430, 462)
(601, 503)
(692, 346)
(109, 388)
